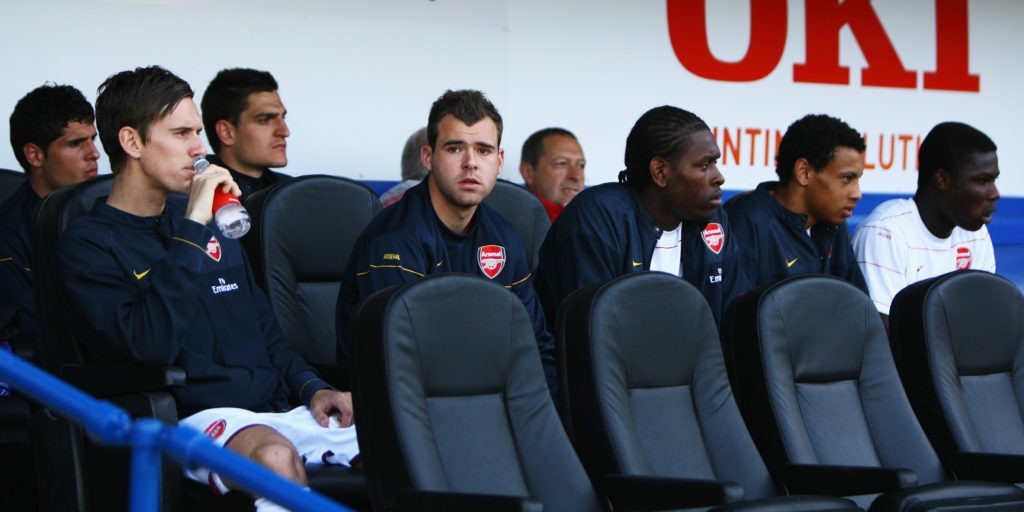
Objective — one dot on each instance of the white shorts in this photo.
(315, 444)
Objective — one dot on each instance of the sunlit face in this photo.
(558, 176)
(694, 185)
(259, 136)
(166, 157)
(465, 161)
(972, 196)
(69, 159)
(833, 192)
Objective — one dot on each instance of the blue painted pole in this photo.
(191, 448)
(100, 418)
(145, 475)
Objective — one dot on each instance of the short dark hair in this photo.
(41, 116)
(814, 137)
(661, 132)
(534, 145)
(227, 97)
(950, 146)
(412, 164)
(466, 105)
(136, 99)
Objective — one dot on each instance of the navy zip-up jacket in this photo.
(165, 290)
(606, 232)
(775, 244)
(16, 261)
(407, 241)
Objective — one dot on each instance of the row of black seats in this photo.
(299, 263)
(452, 402)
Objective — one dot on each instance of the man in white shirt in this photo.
(942, 228)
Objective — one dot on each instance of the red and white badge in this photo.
(714, 237)
(491, 259)
(216, 429)
(213, 248)
(963, 258)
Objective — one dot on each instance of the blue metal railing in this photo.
(148, 437)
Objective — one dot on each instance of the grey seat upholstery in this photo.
(818, 386)
(648, 392)
(959, 338)
(451, 398)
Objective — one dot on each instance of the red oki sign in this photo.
(687, 26)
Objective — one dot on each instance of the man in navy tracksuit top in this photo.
(798, 224)
(52, 135)
(147, 280)
(665, 216)
(441, 224)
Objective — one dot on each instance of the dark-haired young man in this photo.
(441, 224)
(148, 281)
(552, 166)
(244, 120)
(797, 225)
(665, 214)
(53, 138)
(942, 228)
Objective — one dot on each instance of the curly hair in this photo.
(950, 146)
(815, 138)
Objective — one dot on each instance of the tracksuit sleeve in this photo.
(138, 315)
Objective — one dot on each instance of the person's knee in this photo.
(281, 458)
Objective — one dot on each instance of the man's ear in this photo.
(34, 154)
(943, 180)
(425, 153)
(659, 170)
(131, 141)
(225, 132)
(802, 171)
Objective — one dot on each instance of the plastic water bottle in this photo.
(231, 217)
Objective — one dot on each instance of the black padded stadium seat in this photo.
(77, 474)
(9, 182)
(819, 387)
(648, 392)
(525, 212)
(960, 341)
(454, 411)
(302, 236)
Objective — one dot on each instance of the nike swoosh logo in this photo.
(141, 275)
(637, 264)
(791, 262)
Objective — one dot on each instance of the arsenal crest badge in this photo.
(216, 429)
(963, 258)
(714, 237)
(213, 248)
(491, 259)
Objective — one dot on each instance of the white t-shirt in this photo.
(668, 252)
(895, 249)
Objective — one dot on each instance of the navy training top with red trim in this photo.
(164, 290)
(16, 259)
(407, 241)
(775, 244)
(606, 232)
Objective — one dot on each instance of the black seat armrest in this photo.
(990, 467)
(629, 492)
(843, 480)
(101, 380)
(415, 501)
